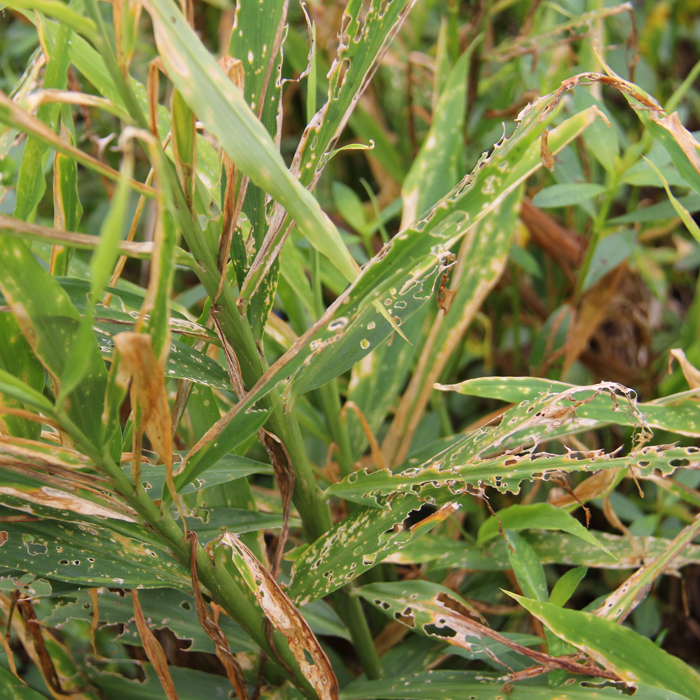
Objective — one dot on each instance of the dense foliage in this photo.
(334, 350)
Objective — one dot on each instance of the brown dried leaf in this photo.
(285, 476)
(546, 155)
(5, 637)
(683, 137)
(33, 628)
(285, 617)
(139, 364)
(154, 650)
(223, 651)
(690, 372)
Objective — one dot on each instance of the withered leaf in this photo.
(140, 366)
(154, 650)
(223, 650)
(546, 155)
(285, 617)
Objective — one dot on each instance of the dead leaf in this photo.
(285, 476)
(690, 372)
(683, 137)
(546, 155)
(154, 651)
(223, 651)
(285, 617)
(138, 365)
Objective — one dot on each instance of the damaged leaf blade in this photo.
(284, 617)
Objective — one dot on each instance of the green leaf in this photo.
(244, 425)
(226, 469)
(527, 567)
(610, 251)
(367, 31)
(190, 684)
(438, 165)
(20, 367)
(164, 608)
(537, 516)
(551, 548)
(677, 413)
(350, 206)
(14, 689)
(220, 106)
(566, 194)
(477, 685)
(50, 323)
(566, 585)
(350, 548)
(31, 184)
(634, 658)
(209, 523)
(89, 554)
(687, 219)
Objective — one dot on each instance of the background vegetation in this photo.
(349, 350)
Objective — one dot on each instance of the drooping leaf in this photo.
(633, 657)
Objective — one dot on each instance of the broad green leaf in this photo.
(436, 611)
(634, 658)
(477, 685)
(227, 116)
(438, 165)
(228, 468)
(656, 212)
(537, 516)
(377, 380)
(469, 460)
(610, 251)
(565, 195)
(102, 264)
(90, 555)
(551, 548)
(190, 684)
(602, 139)
(164, 608)
(505, 472)
(678, 142)
(622, 601)
(565, 586)
(356, 544)
(12, 387)
(236, 432)
(350, 206)
(50, 322)
(20, 366)
(678, 414)
(257, 34)
(480, 263)
(209, 523)
(15, 689)
(527, 567)
(67, 202)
